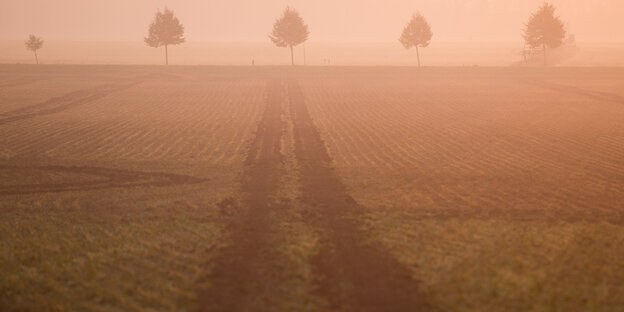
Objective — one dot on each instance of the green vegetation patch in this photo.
(131, 259)
(506, 265)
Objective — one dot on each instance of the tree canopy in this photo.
(34, 43)
(289, 30)
(417, 33)
(544, 29)
(165, 30)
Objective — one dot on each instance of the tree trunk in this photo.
(418, 55)
(36, 58)
(292, 56)
(166, 55)
(545, 60)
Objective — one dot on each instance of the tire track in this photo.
(246, 268)
(357, 273)
(113, 178)
(64, 102)
(17, 82)
(595, 95)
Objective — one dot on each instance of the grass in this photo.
(92, 256)
(506, 265)
(124, 248)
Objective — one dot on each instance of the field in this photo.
(311, 189)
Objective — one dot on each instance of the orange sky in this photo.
(329, 20)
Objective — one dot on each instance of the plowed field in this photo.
(311, 189)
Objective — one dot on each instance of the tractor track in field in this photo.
(16, 82)
(110, 178)
(63, 102)
(573, 90)
(352, 271)
(358, 274)
(246, 267)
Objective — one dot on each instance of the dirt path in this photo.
(245, 268)
(351, 271)
(358, 274)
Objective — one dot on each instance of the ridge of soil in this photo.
(63, 102)
(111, 178)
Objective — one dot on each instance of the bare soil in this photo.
(59, 104)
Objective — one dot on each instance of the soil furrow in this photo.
(573, 90)
(357, 273)
(17, 82)
(112, 178)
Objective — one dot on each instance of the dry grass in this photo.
(117, 259)
(506, 265)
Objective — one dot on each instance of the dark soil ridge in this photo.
(110, 178)
(573, 90)
(357, 273)
(63, 102)
(247, 269)
(16, 82)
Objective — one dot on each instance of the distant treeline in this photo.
(544, 30)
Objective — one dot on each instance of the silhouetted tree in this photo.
(544, 29)
(33, 44)
(417, 33)
(289, 31)
(165, 30)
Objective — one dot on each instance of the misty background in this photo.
(343, 32)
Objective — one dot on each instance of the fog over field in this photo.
(349, 32)
(317, 53)
(340, 21)
(312, 155)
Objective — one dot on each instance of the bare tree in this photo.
(544, 29)
(165, 30)
(289, 31)
(34, 43)
(417, 33)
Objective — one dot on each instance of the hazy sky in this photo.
(329, 20)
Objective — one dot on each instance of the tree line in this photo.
(543, 30)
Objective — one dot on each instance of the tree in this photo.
(544, 29)
(289, 31)
(165, 30)
(417, 33)
(33, 44)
